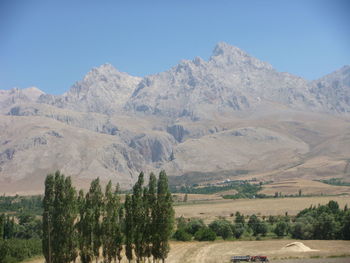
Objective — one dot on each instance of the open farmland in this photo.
(212, 209)
(307, 187)
(221, 251)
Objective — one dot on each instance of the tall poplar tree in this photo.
(164, 217)
(2, 224)
(59, 242)
(138, 213)
(128, 228)
(84, 227)
(152, 200)
(95, 205)
(111, 237)
(47, 217)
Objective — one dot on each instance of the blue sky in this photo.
(52, 44)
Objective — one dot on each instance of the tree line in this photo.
(322, 222)
(83, 224)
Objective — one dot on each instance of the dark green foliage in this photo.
(63, 239)
(48, 205)
(194, 225)
(222, 228)
(128, 228)
(238, 230)
(239, 218)
(94, 202)
(258, 227)
(85, 229)
(16, 250)
(2, 224)
(29, 227)
(325, 227)
(281, 228)
(335, 181)
(111, 225)
(323, 222)
(23, 204)
(205, 234)
(138, 217)
(244, 189)
(346, 226)
(182, 235)
(164, 218)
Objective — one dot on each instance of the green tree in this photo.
(139, 218)
(164, 218)
(2, 225)
(84, 227)
(182, 235)
(64, 242)
(325, 227)
(95, 205)
(205, 234)
(221, 228)
(128, 228)
(48, 206)
(194, 225)
(238, 230)
(239, 218)
(111, 227)
(258, 226)
(346, 226)
(281, 228)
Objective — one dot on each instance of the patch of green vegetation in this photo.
(17, 250)
(246, 190)
(335, 181)
(21, 204)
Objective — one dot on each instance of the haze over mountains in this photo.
(233, 116)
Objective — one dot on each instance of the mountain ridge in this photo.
(232, 112)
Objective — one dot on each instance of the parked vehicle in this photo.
(240, 258)
(249, 259)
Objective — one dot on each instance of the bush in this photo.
(194, 225)
(205, 234)
(182, 235)
(238, 230)
(15, 250)
(222, 228)
(281, 229)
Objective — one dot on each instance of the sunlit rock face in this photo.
(230, 113)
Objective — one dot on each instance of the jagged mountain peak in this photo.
(230, 56)
(224, 49)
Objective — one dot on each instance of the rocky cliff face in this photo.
(333, 90)
(15, 95)
(230, 113)
(231, 81)
(103, 90)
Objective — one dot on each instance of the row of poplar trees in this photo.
(84, 225)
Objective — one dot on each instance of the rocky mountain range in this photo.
(232, 116)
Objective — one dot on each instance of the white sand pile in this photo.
(297, 247)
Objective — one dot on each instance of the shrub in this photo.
(182, 235)
(205, 234)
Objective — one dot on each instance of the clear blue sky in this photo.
(52, 44)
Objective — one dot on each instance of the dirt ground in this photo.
(211, 210)
(222, 251)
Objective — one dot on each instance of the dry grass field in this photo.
(221, 251)
(308, 187)
(224, 208)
